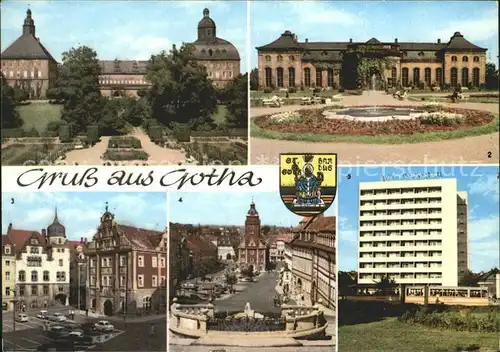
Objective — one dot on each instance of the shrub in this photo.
(54, 125)
(124, 142)
(115, 155)
(182, 132)
(155, 132)
(292, 90)
(317, 90)
(92, 134)
(32, 133)
(286, 117)
(268, 90)
(65, 133)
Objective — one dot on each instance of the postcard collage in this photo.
(226, 176)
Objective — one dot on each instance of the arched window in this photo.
(292, 58)
(394, 76)
(22, 275)
(319, 78)
(268, 57)
(146, 302)
(475, 77)
(279, 77)
(427, 76)
(34, 276)
(465, 59)
(439, 76)
(46, 275)
(476, 59)
(404, 79)
(465, 77)
(330, 80)
(269, 77)
(291, 76)
(454, 58)
(416, 76)
(454, 76)
(280, 58)
(210, 52)
(307, 77)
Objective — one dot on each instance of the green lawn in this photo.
(444, 99)
(300, 93)
(258, 132)
(392, 335)
(220, 115)
(38, 115)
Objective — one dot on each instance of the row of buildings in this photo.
(288, 62)
(123, 269)
(27, 63)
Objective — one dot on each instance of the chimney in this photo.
(439, 41)
(396, 40)
(307, 40)
(85, 241)
(81, 239)
(295, 37)
(9, 229)
(44, 233)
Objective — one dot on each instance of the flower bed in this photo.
(124, 142)
(120, 155)
(312, 121)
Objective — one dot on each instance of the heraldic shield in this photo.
(308, 182)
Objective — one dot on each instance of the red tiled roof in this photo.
(6, 240)
(19, 237)
(141, 237)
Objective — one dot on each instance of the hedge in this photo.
(124, 142)
(65, 133)
(12, 132)
(93, 134)
(116, 155)
(182, 132)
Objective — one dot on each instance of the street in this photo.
(260, 294)
(180, 348)
(127, 336)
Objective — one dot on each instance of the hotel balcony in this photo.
(399, 259)
(398, 195)
(426, 205)
(400, 238)
(437, 215)
(397, 270)
(401, 227)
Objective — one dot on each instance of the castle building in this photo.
(126, 268)
(251, 251)
(27, 64)
(286, 62)
(413, 232)
(42, 265)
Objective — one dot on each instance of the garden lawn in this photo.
(27, 154)
(38, 115)
(392, 335)
(298, 94)
(445, 99)
(220, 115)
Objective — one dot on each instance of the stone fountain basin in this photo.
(372, 114)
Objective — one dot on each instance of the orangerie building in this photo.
(28, 64)
(287, 62)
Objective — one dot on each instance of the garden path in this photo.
(158, 155)
(468, 150)
(89, 156)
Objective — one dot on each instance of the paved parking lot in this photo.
(34, 322)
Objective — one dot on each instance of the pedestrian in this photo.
(153, 330)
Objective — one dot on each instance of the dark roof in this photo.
(123, 67)
(27, 47)
(322, 56)
(215, 49)
(141, 238)
(206, 21)
(288, 41)
(318, 223)
(458, 42)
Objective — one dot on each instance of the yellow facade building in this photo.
(8, 273)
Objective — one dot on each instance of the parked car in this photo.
(58, 332)
(43, 315)
(76, 333)
(59, 317)
(104, 326)
(22, 318)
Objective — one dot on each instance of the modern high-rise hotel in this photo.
(414, 232)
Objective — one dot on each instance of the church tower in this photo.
(252, 226)
(56, 232)
(252, 252)
(29, 24)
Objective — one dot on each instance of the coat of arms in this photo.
(308, 183)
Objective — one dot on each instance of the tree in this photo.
(386, 286)
(470, 279)
(10, 116)
(112, 119)
(78, 86)
(265, 230)
(248, 272)
(237, 95)
(347, 283)
(492, 81)
(230, 279)
(254, 79)
(181, 91)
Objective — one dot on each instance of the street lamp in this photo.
(14, 301)
(79, 288)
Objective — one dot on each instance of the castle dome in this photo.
(56, 229)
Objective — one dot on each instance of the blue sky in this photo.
(384, 20)
(80, 213)
(231, 209)
(480, 183)
(124, 29)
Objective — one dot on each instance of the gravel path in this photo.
(468, 150)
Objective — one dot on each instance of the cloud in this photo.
(347, 233)
(318, 13)
(481, 229)
(481, 27)
(486, 187)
